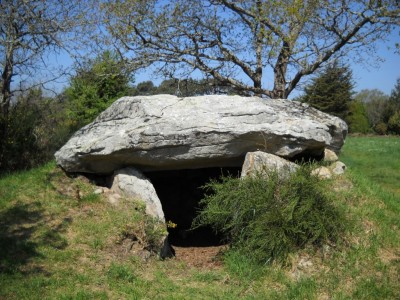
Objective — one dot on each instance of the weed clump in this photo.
(268, 217)
(148, 231)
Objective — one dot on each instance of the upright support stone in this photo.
(132, 183)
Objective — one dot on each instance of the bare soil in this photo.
(201, 257)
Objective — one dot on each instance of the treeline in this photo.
(372, 111)
(368, 111)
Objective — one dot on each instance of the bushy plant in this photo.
(33, 130)
(18, 139)
(381, 128)
(148, 231)
(270, 218)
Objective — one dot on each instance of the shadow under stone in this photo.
(180, 192)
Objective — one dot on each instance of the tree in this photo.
(357, 118)
(395, 95)
(375, 103)
(331, 91)
(394, 123)
(146, 88)
(192, 87)
(394, 108)
(96, 85)
(29, 30)
(184, 88)
(238, 42)
(22, 147)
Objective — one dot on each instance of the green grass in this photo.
(375, 158)
(55, 245)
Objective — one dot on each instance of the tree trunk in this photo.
(6, 76)
(279, 91)
(5, 99)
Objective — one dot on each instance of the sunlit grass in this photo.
(54, 245)
(375, 158)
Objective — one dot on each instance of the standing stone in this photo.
(134, 184)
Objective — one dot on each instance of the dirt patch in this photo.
(389, 256)
(201, 257)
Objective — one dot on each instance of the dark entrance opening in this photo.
(180, 192)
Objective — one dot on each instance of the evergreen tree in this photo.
(95, 87)
(331, 90)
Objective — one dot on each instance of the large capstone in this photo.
(164, 132)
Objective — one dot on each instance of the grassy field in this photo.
(59, 240)
(375, 158)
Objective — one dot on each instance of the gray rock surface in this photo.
(133, 183)
(264, 162)
(164, 132)
(322, 173)
(330, 156)
(338, 168)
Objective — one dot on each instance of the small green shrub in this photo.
(381, 128)
(270, 218)
(149, 231)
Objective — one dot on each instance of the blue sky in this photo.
(382, 77)
(372, 74)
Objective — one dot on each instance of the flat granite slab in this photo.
(164, 132)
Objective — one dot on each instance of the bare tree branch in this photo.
(241, 41)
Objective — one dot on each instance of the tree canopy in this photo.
(184, 88)
(257, 46)
(29, 30)
(97, 84)
(394, 104)
(331, 90)
(376, 104)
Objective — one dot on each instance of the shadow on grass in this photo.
(23, 229)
